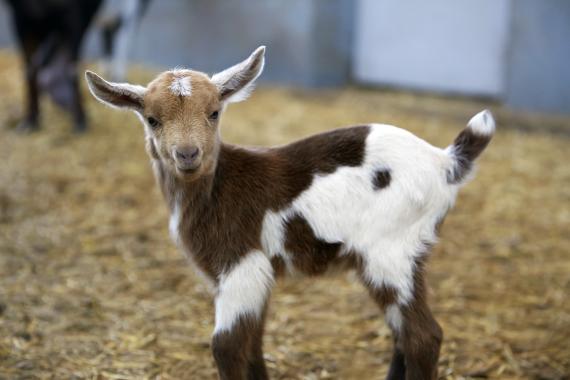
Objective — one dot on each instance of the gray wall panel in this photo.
(539, 64)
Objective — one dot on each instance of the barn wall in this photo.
(308, 41)
(451, 46)
(513, 50)
(539, 63)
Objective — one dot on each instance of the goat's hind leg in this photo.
(384, 297)
(417, 335)
(420, 334)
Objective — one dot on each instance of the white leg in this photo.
(240, 311)
(244, 290)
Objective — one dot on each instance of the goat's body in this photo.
(368, 197)
(314, 203)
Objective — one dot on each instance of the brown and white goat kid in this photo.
(368, 197)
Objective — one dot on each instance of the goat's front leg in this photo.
(241, 303)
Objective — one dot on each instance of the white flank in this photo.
(243, 290)
(388, 227)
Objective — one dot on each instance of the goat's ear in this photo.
(119, 95)
(236, 83)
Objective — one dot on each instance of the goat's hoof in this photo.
(28, 126)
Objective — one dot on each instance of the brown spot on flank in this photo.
(310, 254)
(381, 179)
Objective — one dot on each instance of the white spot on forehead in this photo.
(181, 84)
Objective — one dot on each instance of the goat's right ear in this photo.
(119, 95)
(236, 83)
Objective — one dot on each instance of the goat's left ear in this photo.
(236, 83)
(120, 95)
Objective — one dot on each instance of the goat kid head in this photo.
(181, 110)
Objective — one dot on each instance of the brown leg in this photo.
(417, 336)
(421, 342)
(256, 363)
(397, 369)
(420, 335)
(238, 351)
(384, 297)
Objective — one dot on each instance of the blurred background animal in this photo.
(50, 33)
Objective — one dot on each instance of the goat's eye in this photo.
(214, 115)
(152, 122)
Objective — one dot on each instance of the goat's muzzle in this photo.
(187, 158)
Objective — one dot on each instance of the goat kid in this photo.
(368, 197)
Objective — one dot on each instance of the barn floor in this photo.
(92, 288)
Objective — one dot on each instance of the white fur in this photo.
(483, 123)
(387, 227)
(243, 290)
(394, 318)
(181, 84)
(174, 222)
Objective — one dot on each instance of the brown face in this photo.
(181, 109)
(181, 114)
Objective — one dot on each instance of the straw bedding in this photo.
(92, 288)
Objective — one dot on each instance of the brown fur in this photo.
(239, 352)
(422, 336)
(466, 147)
(310, 255)
(184, 120)
(417, 345)
(244, 186)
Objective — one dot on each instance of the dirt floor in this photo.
(92, 288)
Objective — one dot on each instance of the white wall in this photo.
(457, 46)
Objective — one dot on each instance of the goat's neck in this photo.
(182, 194)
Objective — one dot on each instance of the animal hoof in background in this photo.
(28, 126)
(80, 127)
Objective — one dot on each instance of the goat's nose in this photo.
(187, 154)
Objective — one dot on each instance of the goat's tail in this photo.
(469, 144)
